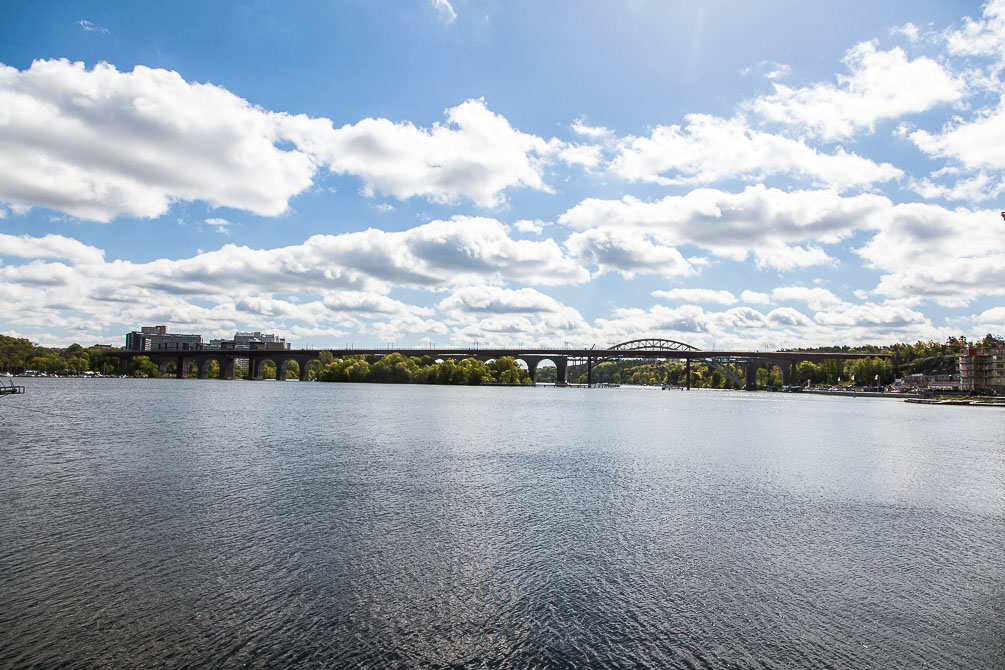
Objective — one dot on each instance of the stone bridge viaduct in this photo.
(532, 357)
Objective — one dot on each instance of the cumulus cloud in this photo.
(875, 318)
(949, 256)
(816, 298)
(698, 295)
(338, 277)
(975, 144)
(709, 149)
(766, 220)
(984, 36)
(100, 143)
(50, 246)
(498, 300)
(581, 127)
(755, 297)
(476, 154)
(881, 85)
(617, 249)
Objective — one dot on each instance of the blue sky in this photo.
(726, 174)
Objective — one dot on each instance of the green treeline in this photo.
(18, 354)
(397, 369)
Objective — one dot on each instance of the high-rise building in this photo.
(982, 370)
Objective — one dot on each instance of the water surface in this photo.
(264, 524)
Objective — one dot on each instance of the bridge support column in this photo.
(561, 370)
(204, 367)
(256, 368)
(531, 362)
(589, 372)
(687, 372)
(180, 372)
(281, 369)
(227, 367)
(305, 365)
(787, 369)
(750, 368)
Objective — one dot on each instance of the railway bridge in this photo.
(532, 357)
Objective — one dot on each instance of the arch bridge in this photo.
(640, 349)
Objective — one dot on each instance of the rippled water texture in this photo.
(205, 523)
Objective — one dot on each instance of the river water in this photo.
(188, 523)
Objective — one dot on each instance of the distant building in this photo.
(156, 338)
(258, 340)
(939, 382)
(982, 370)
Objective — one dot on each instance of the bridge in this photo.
(532, 357)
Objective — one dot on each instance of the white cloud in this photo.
(984, 36)
(731, 225)
(445, 9)
(709, 149)
(527, 226)
(581, 127)
(697, 295)
(337, 277)
(90, 27)
(784, 257)
(949, 256)
(974, 144)
(100, 143)
(979, 187)
(220, 224)
(994, 317)
(617, 249)
(881, 85)
(875, 318)
(908, 30)
(498, 300)
(476, 155)
(364, 302)
(50, 246)
(755, 298)
(817, 299)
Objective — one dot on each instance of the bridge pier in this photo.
(561, 370)
(787, 368)
(750, 369)
(687, 372)
(227, 367)
(305, 365)
(532, 363)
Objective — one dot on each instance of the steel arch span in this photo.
(657, 344)
(654, 344)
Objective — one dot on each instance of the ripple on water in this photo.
(182, 523)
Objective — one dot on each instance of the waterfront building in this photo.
(982, 370)
(156, 338)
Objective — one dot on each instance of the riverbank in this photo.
(972, 402)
